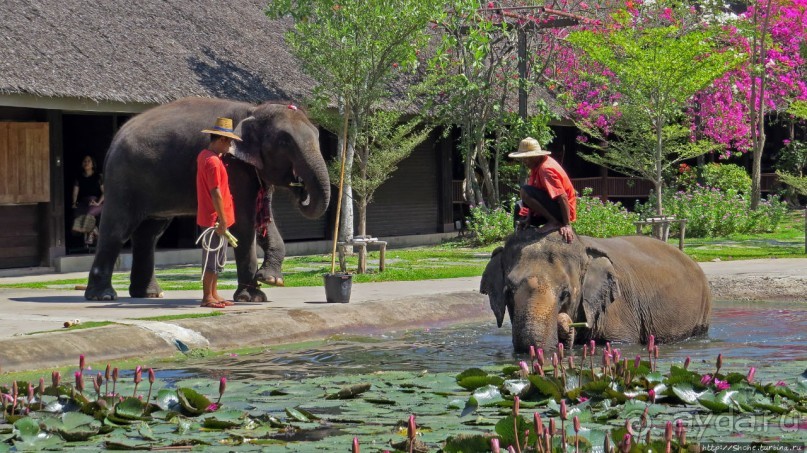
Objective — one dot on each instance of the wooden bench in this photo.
(661, 228)
(361, 243)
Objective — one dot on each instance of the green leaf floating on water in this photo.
(26, 429)
(193, 402)
(505, 428)
(686, 393)
(76, 426)
(225, 419)
(349, 392)
(296, 415)
(28, 438)
(131, 409)
(717, 403)
(466, 443)
(473, 378)
(547, 386)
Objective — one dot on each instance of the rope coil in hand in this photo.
(206, 239)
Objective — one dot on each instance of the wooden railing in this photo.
(615, 186)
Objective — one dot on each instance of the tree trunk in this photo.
(758, 112)
(346, 221)
(659, 181)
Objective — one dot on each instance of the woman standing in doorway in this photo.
(88, 197)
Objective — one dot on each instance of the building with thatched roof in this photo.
(74, 71)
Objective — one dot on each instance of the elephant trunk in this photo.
(310, 168)
(535, 322)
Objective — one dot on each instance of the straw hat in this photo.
(529, 147)
(223, 127)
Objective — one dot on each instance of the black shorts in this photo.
(543, 198)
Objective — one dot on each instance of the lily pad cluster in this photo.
(609, 403)
(588, 402)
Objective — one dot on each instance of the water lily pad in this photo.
(467, 443)
(193, 402)
(131, 409)
(349, 392)
(716, 403)
(76, 426)
(547, 386)
(296, 415)
(225, 419)
(686, 393)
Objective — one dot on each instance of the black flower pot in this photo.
(337, 287)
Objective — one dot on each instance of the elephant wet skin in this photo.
(150, 179)
(625, 289)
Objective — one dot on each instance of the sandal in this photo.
(215, 304)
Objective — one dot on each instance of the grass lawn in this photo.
(455, 259)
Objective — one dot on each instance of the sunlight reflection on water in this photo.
(762, 334)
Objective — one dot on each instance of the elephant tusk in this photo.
(296, 184)
(307, 201)
(579, 324)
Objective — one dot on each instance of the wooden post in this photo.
(683, 223)
(381, 252)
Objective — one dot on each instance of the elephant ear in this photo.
(493, 285)
(247, 150)
(600, 288)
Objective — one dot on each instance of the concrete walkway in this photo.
(293, 314)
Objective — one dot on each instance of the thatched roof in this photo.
(155, 51)
(146, 51)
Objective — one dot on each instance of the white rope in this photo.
(206, 238)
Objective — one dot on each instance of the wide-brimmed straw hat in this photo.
(223, 127)
(529, 147)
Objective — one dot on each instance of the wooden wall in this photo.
(24, 163)
(25, 179)
(19, 236)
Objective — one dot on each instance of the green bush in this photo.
(711, 212)
(719, 176)
(598, 219)
(489, 225)
(727, 177)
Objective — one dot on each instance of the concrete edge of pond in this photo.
(238, 330)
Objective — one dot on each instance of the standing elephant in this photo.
(150, 174)
(624, 288)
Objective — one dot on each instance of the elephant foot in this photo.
(152, 291)
(96, 293)
(249, 294)
(270, 277)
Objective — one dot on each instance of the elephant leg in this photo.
(274, 252)
(112, 235)
(144, 240)
(247, 264)
(565, 331)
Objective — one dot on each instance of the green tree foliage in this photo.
(355, 50)
(659, 69)
(380, 146)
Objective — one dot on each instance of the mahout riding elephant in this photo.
(624, 288)
(150, 174)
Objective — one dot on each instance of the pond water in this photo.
(761, 334)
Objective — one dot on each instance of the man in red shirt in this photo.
(214, 207)
(548, 199)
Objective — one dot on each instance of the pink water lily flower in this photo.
(706, 379)
(721, 385)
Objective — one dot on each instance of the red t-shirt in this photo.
(551, 177)
(210, 173)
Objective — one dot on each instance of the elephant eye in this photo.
(565, 297)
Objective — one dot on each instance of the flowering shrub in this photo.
(489, 225)
(598, 219)
(711, 212)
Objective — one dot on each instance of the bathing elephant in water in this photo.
(150, 177)
(625, 289)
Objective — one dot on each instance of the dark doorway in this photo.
(91, 134)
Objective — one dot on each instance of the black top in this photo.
(89, 186)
